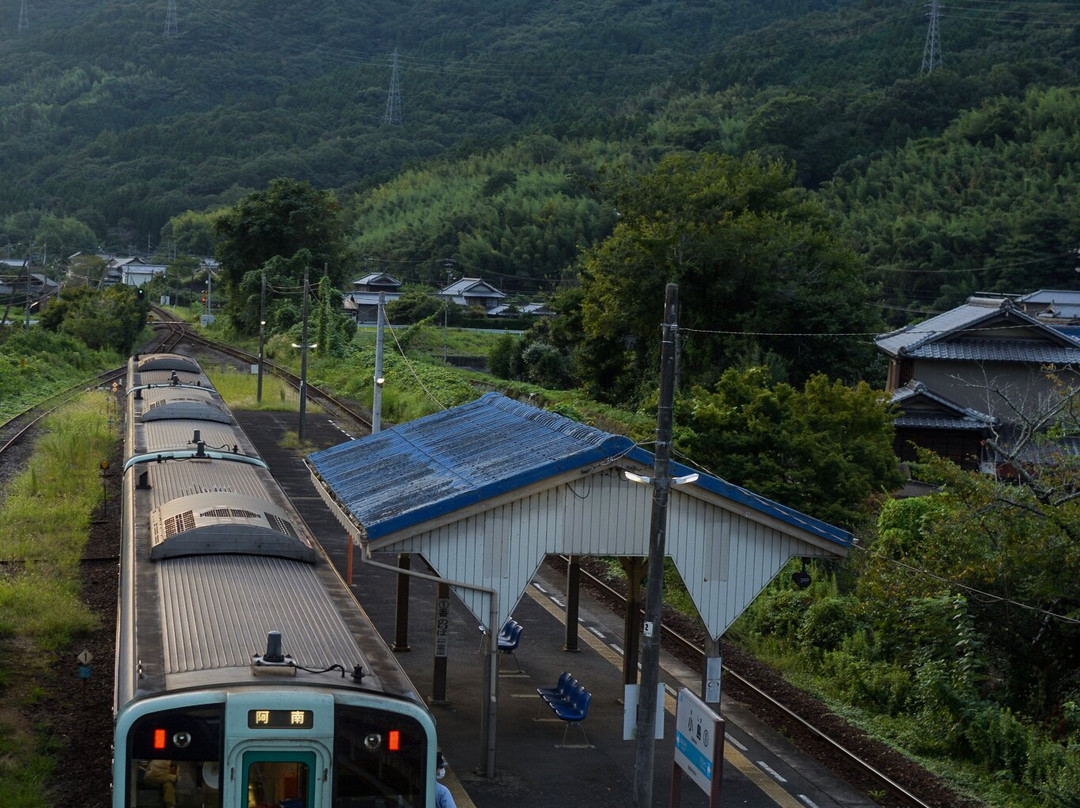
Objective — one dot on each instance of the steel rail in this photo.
(16, 428)
(314, 393)
(33, 414)
(693, 648)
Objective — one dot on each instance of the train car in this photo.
(247, 675)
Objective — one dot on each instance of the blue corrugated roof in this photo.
(434, 466)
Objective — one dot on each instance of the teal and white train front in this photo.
(246, 673)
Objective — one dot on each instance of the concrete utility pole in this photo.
(262, 332)
(303, 361)
(376, 393)
(645, 730)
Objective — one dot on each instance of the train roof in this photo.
(218, 558)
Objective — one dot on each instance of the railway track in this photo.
(324, 399)
(690, 652)
(16, 429)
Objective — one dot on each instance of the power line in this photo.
(981, 593)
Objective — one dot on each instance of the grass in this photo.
(433, 340)
(46, 514)
(240, 391)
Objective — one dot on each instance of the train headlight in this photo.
(372, 741)
(181, 740)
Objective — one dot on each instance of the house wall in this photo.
(998, 389)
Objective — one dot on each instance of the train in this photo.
(246, 675)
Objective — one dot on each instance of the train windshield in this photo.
(175, 758)
(379, 759)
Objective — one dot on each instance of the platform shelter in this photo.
(486, 490)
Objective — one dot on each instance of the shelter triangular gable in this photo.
(486, 490)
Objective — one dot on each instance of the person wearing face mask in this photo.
(443, 797)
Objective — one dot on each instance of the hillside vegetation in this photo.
(513, 118)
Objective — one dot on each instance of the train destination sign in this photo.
(281, 719)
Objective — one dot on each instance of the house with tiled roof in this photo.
(362, 303)
(982, 368)
(469, 292)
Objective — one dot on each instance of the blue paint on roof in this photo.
(436, 465)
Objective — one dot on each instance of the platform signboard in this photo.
(699, 747)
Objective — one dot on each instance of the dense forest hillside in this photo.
(106, 117)
(515, 118)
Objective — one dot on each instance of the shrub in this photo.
(827, 623)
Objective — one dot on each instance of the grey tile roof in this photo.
(923, 408)
(999, 350)
(945, 336)
(927, 421)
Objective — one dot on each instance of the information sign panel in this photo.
(442, 627)
(699, 743)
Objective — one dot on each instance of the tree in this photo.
(825, 450)
(111, 318)
(63, 236)
(757, 266)
(1010, 551)
(280, 222)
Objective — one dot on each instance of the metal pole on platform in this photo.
(303, 362)
(262, 333)
(376, 394)
(650, 648)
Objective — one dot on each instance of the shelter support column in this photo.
(573, 589)
(401, 613)
(635, 574)
(710, 672)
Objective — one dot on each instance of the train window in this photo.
(379, 759)
(279, 779)
(174, 758)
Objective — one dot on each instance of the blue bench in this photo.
(508, 640)
(569, 701)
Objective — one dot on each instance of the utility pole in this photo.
(303, 361)
(24, 17)
(645, 729)
(446, 312)
(931, 57)
(170, 20)
(376, 394)
(262, 330)
(393, 116)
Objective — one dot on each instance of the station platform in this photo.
(534, 768)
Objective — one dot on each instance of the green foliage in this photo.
(504, 357)
(825, 450)
(756, 269)
(987, 206)
(418, 304)
(36, 363)
(520, 213)
(286, 229)
(108, 319)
